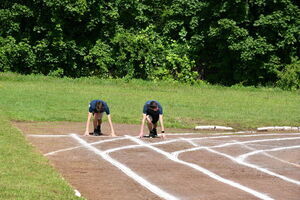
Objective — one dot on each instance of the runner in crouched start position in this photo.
(152, 112)
(97, 108)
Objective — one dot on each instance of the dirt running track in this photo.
(183, 166)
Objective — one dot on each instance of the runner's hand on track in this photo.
(86, 133)
(113, 134)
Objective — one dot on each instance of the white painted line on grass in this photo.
(203, 170)
(153, 188)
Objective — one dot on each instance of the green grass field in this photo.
(24, 173)
(27, 175)
(39, 98)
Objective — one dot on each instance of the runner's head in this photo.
(99, 106)
(153, 106)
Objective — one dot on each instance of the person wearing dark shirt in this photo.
(96, 109)
(152, 113)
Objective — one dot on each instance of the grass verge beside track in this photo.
(24, 174)
(41, 98)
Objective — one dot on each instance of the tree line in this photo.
(248, 42)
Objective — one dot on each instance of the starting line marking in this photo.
(153, 188)
(80, 146)
(203, 170)
(168, 141)
(174, 156)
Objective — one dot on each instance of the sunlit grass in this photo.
(40, 98)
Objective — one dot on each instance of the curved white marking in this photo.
(153, 188)
(254, 166)
(138, 146)
(189, 141)
(203, 170)
(244, 156)
(269, 155)
(234, 143)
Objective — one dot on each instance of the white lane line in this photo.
(153, 188)
(203, 170)
(80, 146)
(266, 154)
(176, 153)
(230, 134)
(189, 141)
(138, 146)
(121, 138)
(244, 156)
(254, 166)
(61, 150)
(269, 155)
(262, 145)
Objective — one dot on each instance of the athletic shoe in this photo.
(155, 132)
(152, 134)
(97, 132)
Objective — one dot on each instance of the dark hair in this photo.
(153, 104)
(99, 106)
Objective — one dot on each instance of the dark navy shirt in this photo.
(92, 107)
(147, 106)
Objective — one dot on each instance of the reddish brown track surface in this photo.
(213, 171)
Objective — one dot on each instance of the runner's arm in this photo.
(142, 126)
(88, 123)
(111, 126)
(161, 121)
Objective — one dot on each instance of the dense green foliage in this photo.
(249, 42)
